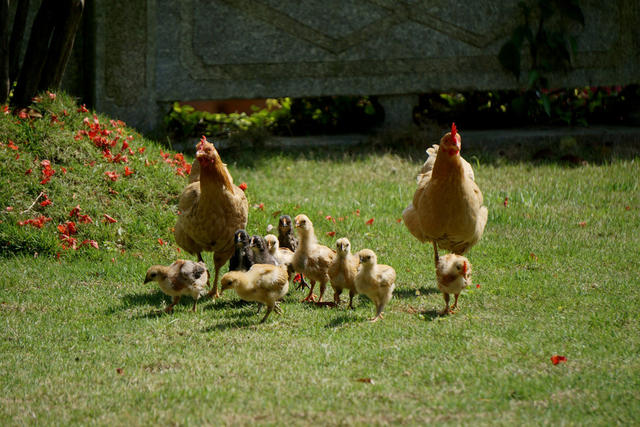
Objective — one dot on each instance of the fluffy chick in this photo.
(343, 270)
(286, 236)
(310, 258)
(263, 283)
(454, 274)
(183, 277)
(242, 258)
(261, 254)
(284, 256)
(376, 281)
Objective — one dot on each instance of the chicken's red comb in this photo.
(201, 143)
(454, 131)
(464, 264)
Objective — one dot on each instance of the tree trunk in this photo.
(17, 35)
(5, 84)
(67, 23)
(34, 59)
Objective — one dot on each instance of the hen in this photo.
(263, 283)
(376, 281)
(242, 258)
(180, 278)
(213, 208)
(343, 270)
(311, 258)
(447, 205)
(454, 274)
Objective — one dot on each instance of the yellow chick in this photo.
(263, 283)
(376, 281)
(183, 277)
(454, 274)
(310, 258)
(343, 270)
(284, 256)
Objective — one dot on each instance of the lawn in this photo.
(84, 340)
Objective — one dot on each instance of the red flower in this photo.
(141, 149)
(477, 285)
(52, 95)
(5, 109)
(357, 212)
(36, 222)
(28, 172)
(399, 220)
(146, 162)
(582, 224)
(113, 176)
(45, 202)
(12, 145)
(558, 359)
(75, 211)
(127, 171)
(161, 242)
(261, 206)
(297, 278)
(85, 219)
(9, 208)
(68, 228)
(331, 233)
(23, 114)
(109, 219)
(90, 242)
(369, 222)
(64, 170)
(243, 186)
(506, 202)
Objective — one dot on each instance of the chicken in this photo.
(284, 256)
(242, 258)
(311, 258)
(263, 283)
(261, 254)
(286, 237)
(288, 240)
(454, 274)
(343, 270)
(376, 281)
(180, 278)
(212, 209)
(447, 205)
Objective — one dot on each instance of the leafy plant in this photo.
(545, 31)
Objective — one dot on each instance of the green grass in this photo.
(83, 340)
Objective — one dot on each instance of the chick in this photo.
(242, 258)
(263, 283)
(183, 277)
(454, 274)
(284, 256)
(261, 254)
(376, 281)
(343, 270)
(311, 258)
(287, 239)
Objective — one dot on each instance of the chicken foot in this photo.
(269, 310)
(454, 307)
(351, 295)
(169, 309)
(311, 297)
(303, 284)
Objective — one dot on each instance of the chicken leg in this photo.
(269, 310)
(446, 310)
(169, 309)
(311, 297)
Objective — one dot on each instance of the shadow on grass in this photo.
(411, 292)
(343, 319)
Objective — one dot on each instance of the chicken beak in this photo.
(146, 280)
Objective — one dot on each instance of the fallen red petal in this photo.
(582, 223)
(369, 222)
(331, 233)
(243, 186)
(109, 219)
(506, 202)
(558, 359)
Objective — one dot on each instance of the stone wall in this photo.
(149, 53)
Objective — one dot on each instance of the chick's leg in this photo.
(169, 309)
(303, 284)
(277, 308)
(336, 296)
(311, 296)
(352, 293)
(269, 310)
(195, 304)
(454, 307)
(446, 304)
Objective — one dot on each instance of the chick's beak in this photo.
(146, 280)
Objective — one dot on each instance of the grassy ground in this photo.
(82, 339)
